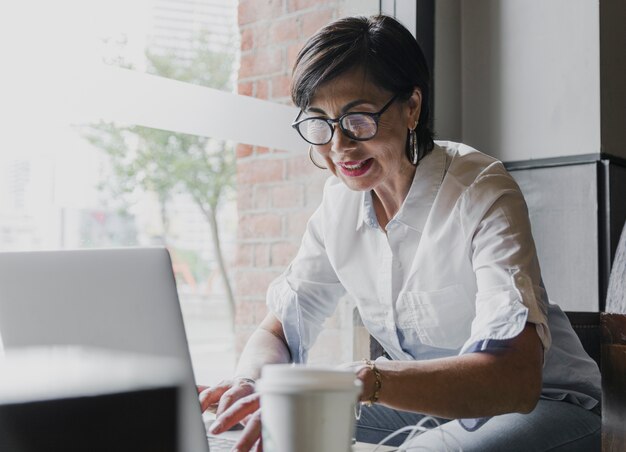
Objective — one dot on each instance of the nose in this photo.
(340, 141)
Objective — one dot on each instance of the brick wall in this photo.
(276, 191)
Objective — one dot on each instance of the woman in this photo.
(433, 242)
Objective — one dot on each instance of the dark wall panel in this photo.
(562, 203)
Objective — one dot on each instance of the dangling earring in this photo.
(313, 161)
(413, 148)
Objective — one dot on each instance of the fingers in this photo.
(241, 408)
(354, 366)
(362, 372)
(232, 395)
(211, 395)
(251, 434)
(349, 365)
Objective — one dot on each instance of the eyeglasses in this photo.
(359, 126)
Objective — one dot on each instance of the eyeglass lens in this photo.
(357, 126)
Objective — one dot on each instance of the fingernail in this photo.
(215, 426)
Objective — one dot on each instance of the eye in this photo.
(316, 131)
(360, 125)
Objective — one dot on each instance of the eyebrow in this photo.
(344, 109)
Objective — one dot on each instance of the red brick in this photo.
(296, 5)
(261, 255)
(245, 13)
(247, 39)
(245, 255)
(260, 311)
(296, 223)
(260, 62)
(253, 171)
(287, 196)
(245, 88)
(253, 282)
(283, 30)
(262, 89)
(256, 10)
(261, 35)
(314, 191)
(292, 54)
(262, 196)
(245, 197)
(243, 150)
(280, 86)
(250, 312)
(244, 313)
(262, 225)
(300, 166)
(313, 21)
(246, 65)
(283, 253)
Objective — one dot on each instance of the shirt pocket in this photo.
(441, 318)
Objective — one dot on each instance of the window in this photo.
(102, 150)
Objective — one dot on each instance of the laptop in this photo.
(118, 299)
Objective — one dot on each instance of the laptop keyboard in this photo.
(224, 442)
(219, 444)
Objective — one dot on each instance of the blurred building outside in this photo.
(49, 198)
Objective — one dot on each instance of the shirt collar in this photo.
(367, 214)
(419, 200)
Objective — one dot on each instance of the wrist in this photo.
(374, 386)
(241, 380)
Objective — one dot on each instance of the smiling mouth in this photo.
(355, 168)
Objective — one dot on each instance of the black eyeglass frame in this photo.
(330, 121)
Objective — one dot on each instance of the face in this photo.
(380, 162)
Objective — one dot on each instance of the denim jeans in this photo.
(551, 426)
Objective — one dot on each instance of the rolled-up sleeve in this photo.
(510, 291)
(307, 293)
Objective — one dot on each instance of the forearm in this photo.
(472, 385)
(452, 388)
(267, 345)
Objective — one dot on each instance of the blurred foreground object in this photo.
(614, 355)
(78, 399)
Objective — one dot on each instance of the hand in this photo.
(355, 366)
(235, 401)
(363, 373)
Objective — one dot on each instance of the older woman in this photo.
(432, 241)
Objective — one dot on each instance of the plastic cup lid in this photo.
(299, 377)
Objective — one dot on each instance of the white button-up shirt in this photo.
(455, 271)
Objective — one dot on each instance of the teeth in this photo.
(353, 167)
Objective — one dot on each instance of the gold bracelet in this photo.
(377, 384)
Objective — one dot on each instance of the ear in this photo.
(415, 107)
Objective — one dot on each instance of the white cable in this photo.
(410, 428)
(416, 430)
(443, 440)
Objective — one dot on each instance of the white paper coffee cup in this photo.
(307, 409)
